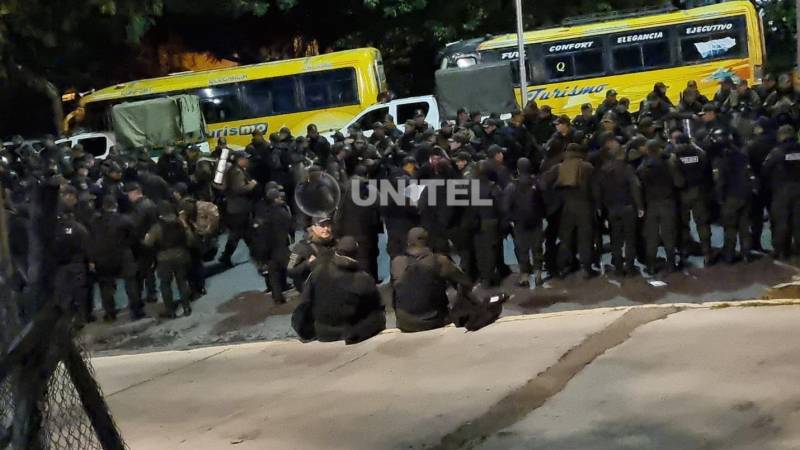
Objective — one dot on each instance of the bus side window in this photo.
(641, 57)
(559, 67)
(220, 103)
(719, 39)
(329, 88)
(579, 64)
(270, 96)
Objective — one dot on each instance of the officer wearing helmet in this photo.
(171, 237)
(239, 193)
(270, 231)
(111, 257)
(782, 169)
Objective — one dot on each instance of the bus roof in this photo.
(611, 26)
(205, 78)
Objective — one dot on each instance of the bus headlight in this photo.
(467, 61)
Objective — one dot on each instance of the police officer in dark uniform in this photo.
(419, 281)
(171, 238)
(362, 222)
(400, 217)
(488, 226)
(713, 128)
(272, 226)
(318, 145)
(586, 122)
(524, 209)
(573, 179)
(617, 188)
(659, 178)
(564, 134)
(172, 167)
(315, 248)
(692, 163)
(734, 184)
(144, 214)
(782, 169)
(344, 300)
(259, 151)
(110, 184)
(239, 193)
(111, 255)
(70, 245)
(608, 104)
(758, 148)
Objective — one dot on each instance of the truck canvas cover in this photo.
(159, 122)
(484, 87)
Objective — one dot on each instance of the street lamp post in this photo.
(523, 76)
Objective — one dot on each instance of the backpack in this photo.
(207, 223)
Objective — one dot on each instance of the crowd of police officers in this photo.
(558, 185)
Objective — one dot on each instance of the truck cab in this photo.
(401, 109)
(98, 145)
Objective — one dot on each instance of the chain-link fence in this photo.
(49, 399)
(65, 416)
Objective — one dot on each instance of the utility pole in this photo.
(797, 36)
(523, 76)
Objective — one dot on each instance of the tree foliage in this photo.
(93, 43)
(780, 28)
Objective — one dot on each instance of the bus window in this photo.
(580, 59)
(220, 103)
(329, 88)
(644, 50)
(270, 96)
(707, 41)
(574, 65)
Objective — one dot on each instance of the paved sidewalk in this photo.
(603, 378)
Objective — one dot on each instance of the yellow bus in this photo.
(327, 90)
(628, 52)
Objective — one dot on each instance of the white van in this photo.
(96, 144)
(401, 109)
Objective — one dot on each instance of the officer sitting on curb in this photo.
(419, 280)
(340, 301)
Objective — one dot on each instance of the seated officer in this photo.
(419, 280)
(344, 302)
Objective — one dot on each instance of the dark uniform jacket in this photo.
(112, 238)
(659, 178)
(239, 192)
(300, 267)
(172, 240)
(420, 279)
(523, 204)
(270, 231)
(616, 186)
(342, 297)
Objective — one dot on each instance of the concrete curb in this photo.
(583, 312)
(507, 319)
